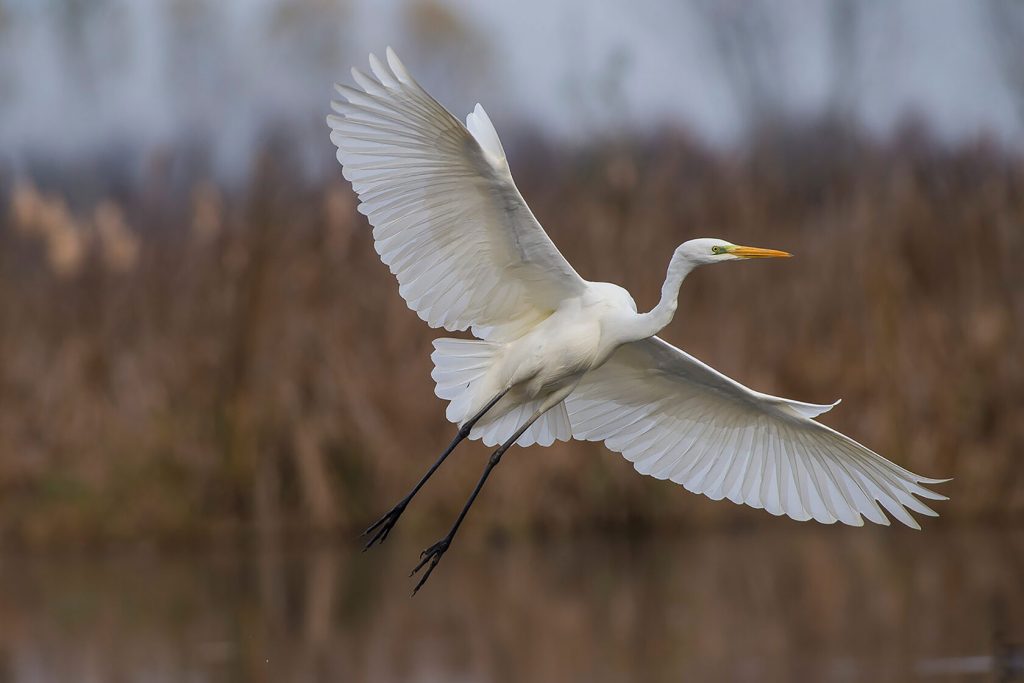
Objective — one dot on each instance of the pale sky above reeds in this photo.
(86, 78)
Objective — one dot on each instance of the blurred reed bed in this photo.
(183, 359)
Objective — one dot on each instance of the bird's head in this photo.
(713, 250)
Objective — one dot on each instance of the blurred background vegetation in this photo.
(209, 384)
(197, 338)
(182, 363)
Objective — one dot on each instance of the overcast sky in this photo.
(81, 77)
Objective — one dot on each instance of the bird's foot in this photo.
(384, 525)
(433, 556)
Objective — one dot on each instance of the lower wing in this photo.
(676, 418)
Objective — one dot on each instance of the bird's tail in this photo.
(461, 375)
(459, 367)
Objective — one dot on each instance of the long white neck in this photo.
(652, 322)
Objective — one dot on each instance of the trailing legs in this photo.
(432, 555)
(387, 522)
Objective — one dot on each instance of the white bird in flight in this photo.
(557, 357)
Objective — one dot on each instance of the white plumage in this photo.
(676, 418)
(448, 220)
(572, 358)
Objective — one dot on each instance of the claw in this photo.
(374, 525)
(384, 525)
(433, 556)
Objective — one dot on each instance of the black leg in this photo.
(385, 524)
(433, 553)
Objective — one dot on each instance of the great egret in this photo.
(558, 357)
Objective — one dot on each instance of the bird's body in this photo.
(558, 357)
(552, 357)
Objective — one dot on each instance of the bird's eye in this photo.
(716, 250)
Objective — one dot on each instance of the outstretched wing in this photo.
(447, 218)
(676, 418)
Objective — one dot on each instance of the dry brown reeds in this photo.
(180, 365)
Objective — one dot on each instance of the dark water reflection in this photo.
(803, 603)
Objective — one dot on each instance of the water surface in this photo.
(792, 603)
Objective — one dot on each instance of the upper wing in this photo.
(676, 418)
(447, 217)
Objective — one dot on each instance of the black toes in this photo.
(384, 525)
(433, 556)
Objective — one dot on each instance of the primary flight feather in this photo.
(558, 357)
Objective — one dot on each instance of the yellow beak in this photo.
(757, 252)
